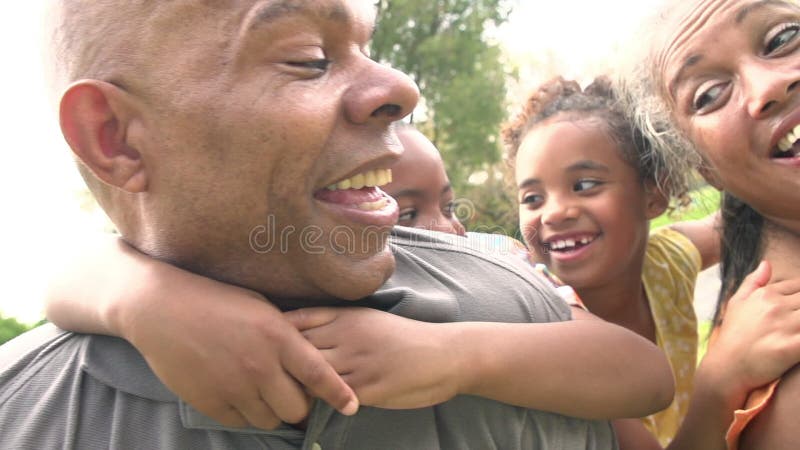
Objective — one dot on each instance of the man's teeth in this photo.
(569, 243)
(373, 206)
(371, 178)
(788, 141)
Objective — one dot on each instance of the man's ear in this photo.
(95, 117)
(656, 201)
(710, 176)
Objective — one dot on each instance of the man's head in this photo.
(220, 130)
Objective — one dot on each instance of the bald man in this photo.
(202, 128)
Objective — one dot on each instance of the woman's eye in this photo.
(407, 216)
(583, 185)
(704, 100)
(785, 34)
(315, 64)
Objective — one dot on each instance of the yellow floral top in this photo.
(670, 270)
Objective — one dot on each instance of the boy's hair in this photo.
(596, 101)
(742, 247)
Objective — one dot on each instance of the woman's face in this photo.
(731, 75)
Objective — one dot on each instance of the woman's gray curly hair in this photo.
(639, 83)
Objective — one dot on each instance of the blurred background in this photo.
(474, 60)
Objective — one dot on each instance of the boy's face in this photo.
(254, 110)
(583, 210)
(421, 187)
(731, 73)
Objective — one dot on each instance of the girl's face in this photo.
(731, 74)
(421, 187)
(583, 210)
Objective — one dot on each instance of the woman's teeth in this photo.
(787, 142)
(370, 178)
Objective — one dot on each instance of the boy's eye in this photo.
(583, 185)
(407, 217)
(785, 34)
(707, 98)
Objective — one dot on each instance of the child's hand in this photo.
(233, 356)
(759, 338)
(390, 361)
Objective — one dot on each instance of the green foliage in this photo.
(491, 206)
(10, 328)
(442, 45)
(705, 200)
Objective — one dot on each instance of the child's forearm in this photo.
(582, 368)
(93, 286)
(197, 335)
(710, 412)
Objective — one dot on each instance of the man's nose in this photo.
(381, 94)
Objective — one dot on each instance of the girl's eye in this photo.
(314, 64)
(407, 217)
(583, 185)
(705, 100)
(785, 34)
(531, 199)
(449, 209)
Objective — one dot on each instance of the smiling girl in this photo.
(588, 185)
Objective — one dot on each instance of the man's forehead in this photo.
(344, 11)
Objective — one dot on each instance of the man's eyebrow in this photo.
(747, 9)
(272, 11)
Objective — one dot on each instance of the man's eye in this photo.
(407, 217)
(315, 64)
(583, 185)
(704, 100)
(784, 35)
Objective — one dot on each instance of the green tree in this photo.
(10, 328)
(442, 45)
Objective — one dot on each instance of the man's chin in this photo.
(361, 277)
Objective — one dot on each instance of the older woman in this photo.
(718, 85)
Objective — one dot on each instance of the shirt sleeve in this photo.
(564, 291)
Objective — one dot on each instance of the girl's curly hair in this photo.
(598, 100)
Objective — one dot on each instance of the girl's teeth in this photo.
(569, 243)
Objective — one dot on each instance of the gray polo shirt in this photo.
(64, 390)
